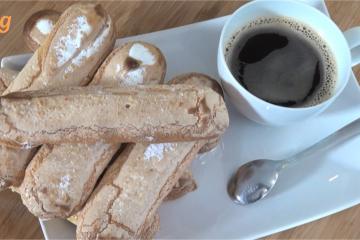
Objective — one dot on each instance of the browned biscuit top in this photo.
(160, 113)
(134, 63)
(38, 27)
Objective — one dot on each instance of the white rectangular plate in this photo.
(321, 185)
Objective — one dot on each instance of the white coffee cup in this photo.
(344, 47)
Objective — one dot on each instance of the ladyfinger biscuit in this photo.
(134, 63)
(135, 114)
(79, 42)
(60, 178)
(53, 186)
(186, 183)
(11, 159)
(43, 70)
(2, 83)
(13, 162)
(133, 201)
(133, 188)
(7, 75)
(38, 27)
(199, 79)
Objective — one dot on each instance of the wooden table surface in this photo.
(141, 17)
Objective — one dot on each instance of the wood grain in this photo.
(141, 17)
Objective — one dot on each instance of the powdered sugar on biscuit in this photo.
(134, 77)
(67, 45)
(149, 138)
(26, 145)
(117, 68)
(44, 26)
(141, 53)
(64, 183)
(131, 78)
(156, 151)
(88, 52)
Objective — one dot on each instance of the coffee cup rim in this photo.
(240, 88)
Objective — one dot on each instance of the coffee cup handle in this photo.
(352, 36)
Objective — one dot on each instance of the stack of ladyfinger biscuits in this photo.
(93, 134)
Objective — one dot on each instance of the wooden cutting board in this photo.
(134, 18)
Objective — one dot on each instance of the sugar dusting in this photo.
(97, 150)
(67, 45)
(44, 26)
(26, 145)
(149, 138)
(117, 68)
(134, 77)
(118, 205)
(131, 78)
(64, 183)
(141, 53)
(156, 151)
(88, 52)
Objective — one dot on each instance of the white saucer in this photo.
(319, 186)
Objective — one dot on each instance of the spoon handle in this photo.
(350, 130)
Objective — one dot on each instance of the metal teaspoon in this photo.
(255, 179)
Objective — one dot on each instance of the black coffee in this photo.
(282, 62)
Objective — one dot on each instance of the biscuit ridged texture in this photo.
(187, 183)
(58, 183)
(134, 186)
(12, 160)
(133, 189)
(184, 185)
(45, 69)
(112, 114)
(70, 55)
(199, 79)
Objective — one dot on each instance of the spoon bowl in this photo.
(255, 179)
